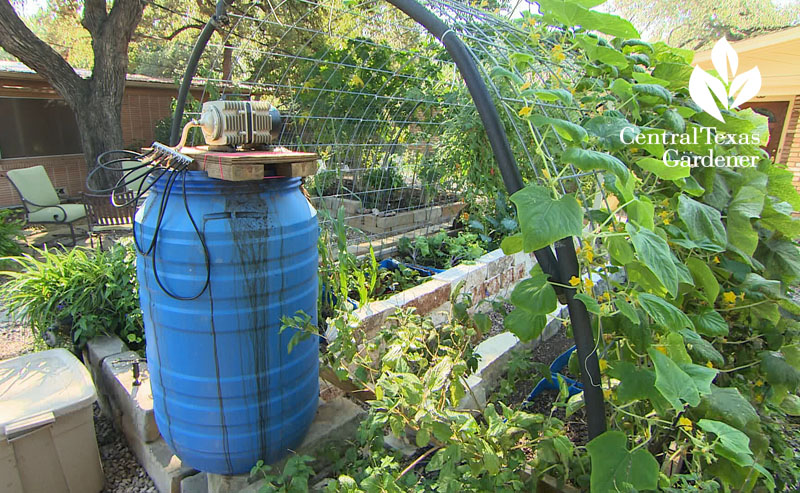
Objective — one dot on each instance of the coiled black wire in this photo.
(160, 164)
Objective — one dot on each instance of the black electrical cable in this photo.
(107, 166)
(139, 192)
(201, 237)
(153, 247)
(135, 154)
(127, 172)
(161, 163)
(123, 182)
(101, 166)
(162, 208)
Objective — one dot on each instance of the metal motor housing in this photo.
(239, 123)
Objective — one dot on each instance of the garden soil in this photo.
(545, 352)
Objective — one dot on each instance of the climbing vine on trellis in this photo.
(698, 338)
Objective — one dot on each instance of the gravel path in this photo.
(123, 473)
(15, 338)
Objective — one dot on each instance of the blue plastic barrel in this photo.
(226, 390)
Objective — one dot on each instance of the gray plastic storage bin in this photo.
(47, 439)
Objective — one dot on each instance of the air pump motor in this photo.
(239, 123)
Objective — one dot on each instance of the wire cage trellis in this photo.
(403, 129)
(382, 102)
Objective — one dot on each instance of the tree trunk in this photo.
(101, 131)
(227, 63)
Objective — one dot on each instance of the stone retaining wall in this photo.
(494, 274)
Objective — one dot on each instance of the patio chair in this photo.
(40, 200)
(105, 217)
(135, 178)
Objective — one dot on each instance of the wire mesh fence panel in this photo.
(530, 73)
(402, 146)
(367, 91)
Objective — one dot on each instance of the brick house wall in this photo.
(790, 152)
(143, 105)
(142, 108)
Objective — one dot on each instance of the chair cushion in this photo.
(54, 214)
(34, 185)
(135, 179)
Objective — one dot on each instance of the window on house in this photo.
(37, 127)
(776, 112)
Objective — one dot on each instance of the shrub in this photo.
(418, 372)
(10, 233)
(381, 185)
(80, 293)
(324, 183)
(441, 250)
(491, 220)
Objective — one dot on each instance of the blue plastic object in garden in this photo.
(392, 264)
(551, 383)
(226, 390)
(331, 298)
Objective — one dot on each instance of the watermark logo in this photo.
(731, 90)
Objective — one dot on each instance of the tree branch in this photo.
(17, 39)
(94, 15)
(124, 17)
(176, 32)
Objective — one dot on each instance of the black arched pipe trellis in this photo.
(216, 20)
(560, 267)
(559, 270)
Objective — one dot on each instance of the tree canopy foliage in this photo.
(696, 24)
(163, 40)
(160, 45)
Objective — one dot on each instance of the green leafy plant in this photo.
(440, 250)
(418, 374)
(302, 326)
(10, 235)
(293, 477)
(341, 273)
(391, 282)
(79, 293)
(492, 223)
(519, 368)
(344, 276)
(379, 186)
(696, 357)
(324, 183)
(163, 127)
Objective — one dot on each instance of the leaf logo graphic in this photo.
(710, 92)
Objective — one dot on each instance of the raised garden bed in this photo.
(491, 275)
(374, 221)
